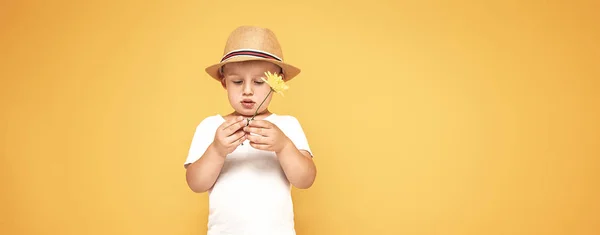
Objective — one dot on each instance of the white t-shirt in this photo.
(252, 194)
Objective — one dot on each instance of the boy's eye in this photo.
(259, 82)
(237, 82)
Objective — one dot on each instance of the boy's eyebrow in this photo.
(231, 74)
(253, 76)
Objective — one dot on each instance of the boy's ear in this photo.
(281, 73)
(223, 83)
(282, 76)
(222, 77)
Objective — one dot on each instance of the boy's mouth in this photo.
(248, 103)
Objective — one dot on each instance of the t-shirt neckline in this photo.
(266, 118)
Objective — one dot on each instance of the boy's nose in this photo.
(248, 89)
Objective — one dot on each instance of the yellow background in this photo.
(425, 117)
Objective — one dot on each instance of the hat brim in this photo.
(289, 71)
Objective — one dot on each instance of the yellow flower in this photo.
(276, 82)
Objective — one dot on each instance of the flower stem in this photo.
(256, 112)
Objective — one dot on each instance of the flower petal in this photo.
(276, 82)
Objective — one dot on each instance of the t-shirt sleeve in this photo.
(295, 132)
(203, 137)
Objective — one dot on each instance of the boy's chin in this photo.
(244, 112)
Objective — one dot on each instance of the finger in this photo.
(260, 123)
(259, 146)
(255, 139)
(259, 139)
(239, 141)
(230, 122)
(236, 136)
(235, 127)
(256, 130)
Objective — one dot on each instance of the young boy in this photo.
(248, 168)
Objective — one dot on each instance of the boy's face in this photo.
(245, 88)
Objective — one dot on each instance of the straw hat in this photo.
(253, 43)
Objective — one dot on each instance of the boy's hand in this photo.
(267, 136)
(229, 136)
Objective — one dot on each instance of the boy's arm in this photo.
(203, 173)
(298, 165)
